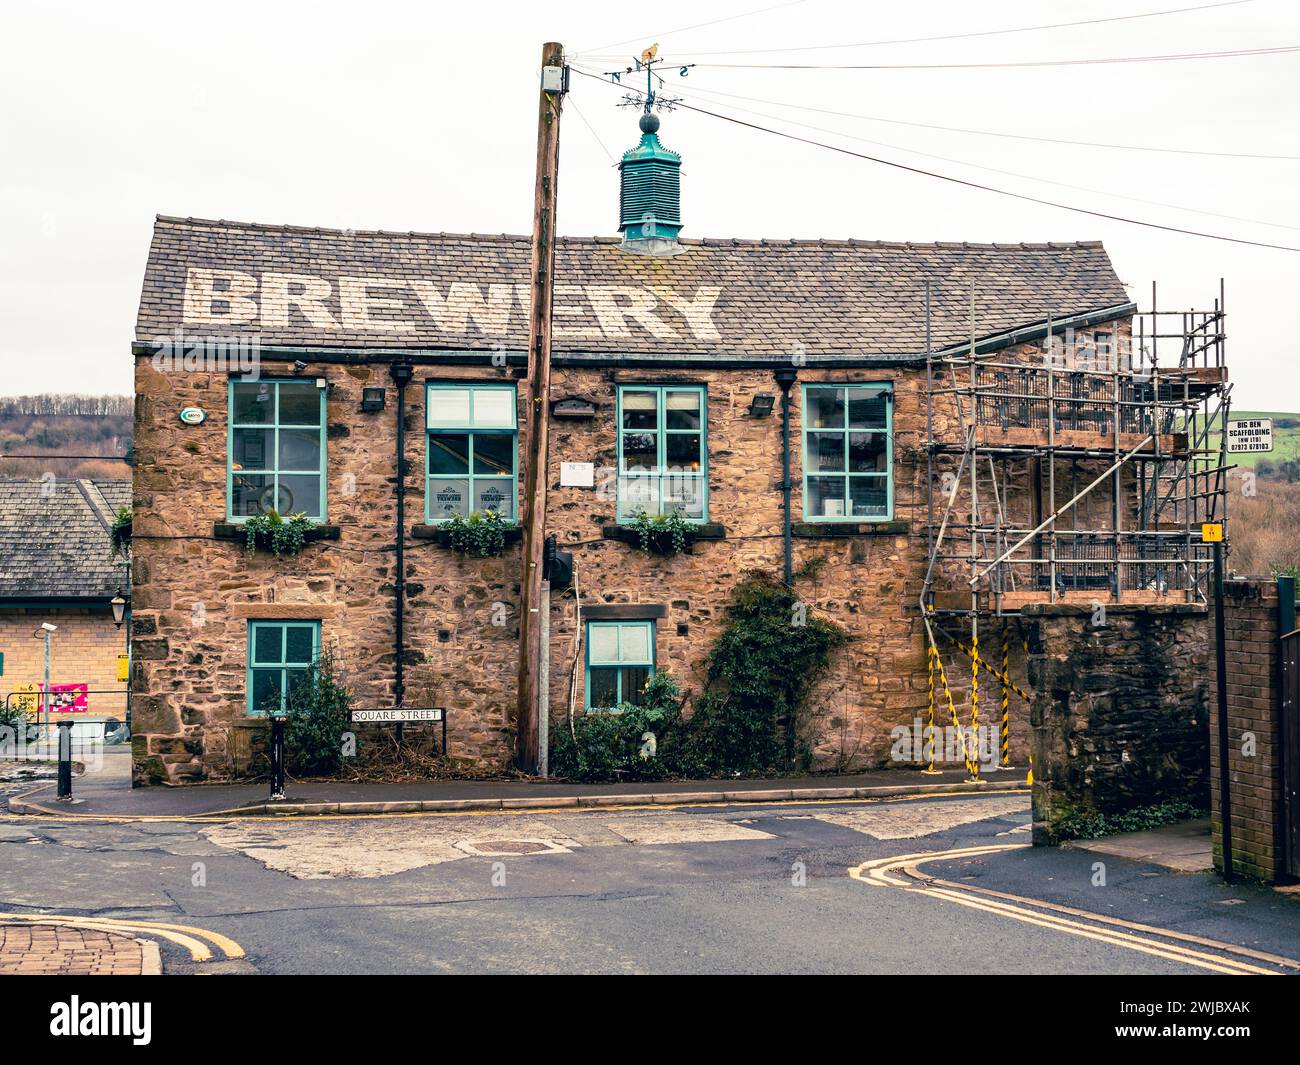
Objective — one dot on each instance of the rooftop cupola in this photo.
(650, 213)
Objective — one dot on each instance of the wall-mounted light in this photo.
(119, 608)
(372, 399)
(761, 405)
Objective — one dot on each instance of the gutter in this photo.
(483, 357)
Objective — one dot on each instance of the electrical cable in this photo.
(591, 52)
(971, 184)
(993, 133)
(984, 33)
(1091, 61)
(1018, 174)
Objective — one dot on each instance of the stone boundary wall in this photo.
(1120, 712)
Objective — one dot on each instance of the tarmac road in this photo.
(733, 889)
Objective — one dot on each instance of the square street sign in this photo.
(1250, 436)
(403, 713)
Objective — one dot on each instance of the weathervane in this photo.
(651, 99)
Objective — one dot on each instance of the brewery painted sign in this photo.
(396, 305)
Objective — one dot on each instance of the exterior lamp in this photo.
(761, 405)
(119, 608)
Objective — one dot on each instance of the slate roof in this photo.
(822, 297)
(54, 539)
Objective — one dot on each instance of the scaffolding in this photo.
(1077, 471)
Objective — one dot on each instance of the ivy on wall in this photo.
(752, 717)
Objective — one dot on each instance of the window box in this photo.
(828, 529)
(442, 537)
(232, 530)
(661, 543)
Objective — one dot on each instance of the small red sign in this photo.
(69, 698)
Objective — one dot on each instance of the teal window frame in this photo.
(623, 662)
(887, 475)
(626, 511)
(274, 426)
(471, 430)
(281, 663)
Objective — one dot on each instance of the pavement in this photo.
(105, 791)
(32, 949)
(1185, 847)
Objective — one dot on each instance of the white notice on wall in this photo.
(577, 474)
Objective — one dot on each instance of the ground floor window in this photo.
(279, 653)
(620, 659)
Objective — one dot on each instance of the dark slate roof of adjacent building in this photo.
(54, 539)
(318, 288)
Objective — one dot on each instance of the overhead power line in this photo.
(995, 133)
(1092, 61)
(982, 33)
(966, 183)
(647, 38)
(1017, 174)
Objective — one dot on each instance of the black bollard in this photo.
(65, 760)
(277, 757)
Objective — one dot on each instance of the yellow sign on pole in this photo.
(123, 667)
(1212, 533)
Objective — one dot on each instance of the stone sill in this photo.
(443, 538)
(628, 535)
(229, 530)
(817, 530)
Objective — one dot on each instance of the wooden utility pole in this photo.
(542, 265)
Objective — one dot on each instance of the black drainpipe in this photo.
(401, 373)
(785, 377)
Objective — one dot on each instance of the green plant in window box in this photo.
(284, 536)
(668, 534)
(120, 533)
(483, 533)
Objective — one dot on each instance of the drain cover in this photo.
(505, 847)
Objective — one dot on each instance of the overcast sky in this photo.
(423, 117)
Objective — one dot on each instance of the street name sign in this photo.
(401, 713)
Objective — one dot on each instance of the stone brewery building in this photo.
(389, 366)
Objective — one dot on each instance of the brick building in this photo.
(669, 364)
(57, 567)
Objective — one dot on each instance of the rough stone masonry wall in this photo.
(194, 594)
(1255, 732)
(1120, 712)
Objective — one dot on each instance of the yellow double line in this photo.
(904, 873)
(195, 940)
